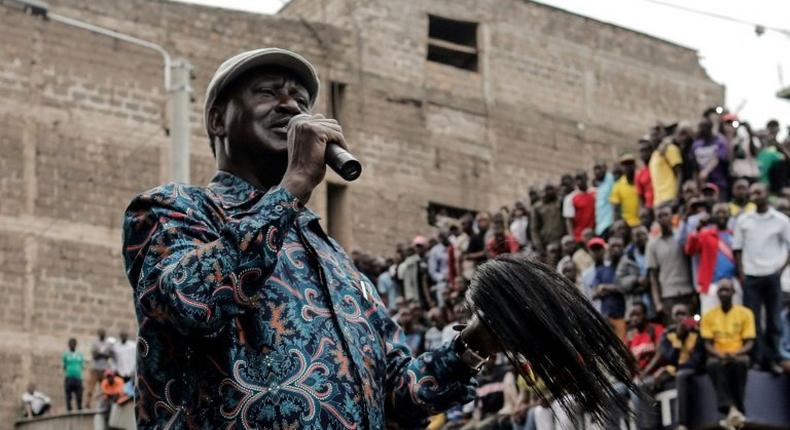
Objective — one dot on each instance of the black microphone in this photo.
(342, 162)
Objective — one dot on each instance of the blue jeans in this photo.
(759, 291)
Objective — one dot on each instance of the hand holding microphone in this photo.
(314, 142)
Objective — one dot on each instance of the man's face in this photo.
(664, 218)
(640, 237)
(260, 104)
(646, 216)
(483, 221)
(645, 150)
(721, 215)
(725, 291)
(740, 190)
(615, 248)
(587, 234)
(554, 252)
(499, 229)
(628, 167)
(783, 206)
(123, 337)
(581, 182)
(567, 183)
(598, 253)
(568, 245)
(72, 344)
(100, 333)
(569, 271)
(637, 316)
(620, 229)
(690, 191)
(680, 313)
(705, 129)
(599, 170)
(549, 192)
(758, 194)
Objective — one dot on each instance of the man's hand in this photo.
(308, 136)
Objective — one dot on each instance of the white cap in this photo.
(235, 66)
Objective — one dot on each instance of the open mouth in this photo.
(280, 127)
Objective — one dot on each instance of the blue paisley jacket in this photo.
(251, 317)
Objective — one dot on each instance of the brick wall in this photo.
(83, 123)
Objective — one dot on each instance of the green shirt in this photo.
(72, 364)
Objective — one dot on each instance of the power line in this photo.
(758, 27)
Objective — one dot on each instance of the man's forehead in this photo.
(272, 75)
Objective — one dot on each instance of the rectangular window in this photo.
(337, 98)
(452, 42)
(438, 211)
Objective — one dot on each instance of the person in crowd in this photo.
(647, 220)
(607, 291)
(621, 229)
(569, 270)
(603, 181)
(413, 331)
(644, 183)
(414, 274)
(465, 267)
(73, 362)
(728, 331)
(547, 224)
(553, 254)
(101, 352)
(567, 188)
(772, 159)
(740, 202)
(475, 253)
(710, 194)
(631, 274)
(624, 198)
(581, 257)
(684, 140)
(35, 403)
(667, 266)
(682, 352)
(744, 147)
(439, 265)
(125, 356)
(597, 247)
(643, 340)
(433, 336)
(760, 243)
(666, 169)
(502, 242)
(386, 283)
(712, 156)
(519, 224)
(579, 209)
(712, 245)
(567, 248)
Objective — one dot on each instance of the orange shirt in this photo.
(112, 389)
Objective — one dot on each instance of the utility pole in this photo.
(177, 77)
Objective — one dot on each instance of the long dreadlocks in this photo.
(546, 325)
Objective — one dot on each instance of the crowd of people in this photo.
(112, 367)
(682, 244)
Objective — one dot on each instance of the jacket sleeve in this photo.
(188, 273)
(417, 387)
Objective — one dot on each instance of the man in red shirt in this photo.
(643, 341)
(579, 210)
(502, 242)
(644, 186)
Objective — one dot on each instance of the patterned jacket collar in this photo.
(233, 192)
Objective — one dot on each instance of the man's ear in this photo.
(216, 120)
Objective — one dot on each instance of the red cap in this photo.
(419, 240)
(711, 186)
(728, 117)
(596, 241)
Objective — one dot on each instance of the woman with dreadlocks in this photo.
(548, 329)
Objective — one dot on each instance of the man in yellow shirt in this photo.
(729, 332)
(740, 199)
(665, 169)
(624, 198)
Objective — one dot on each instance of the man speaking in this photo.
(249, 315)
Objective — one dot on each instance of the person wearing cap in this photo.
(624, 197)
(597, 248)
(712, 156)
(250, 315)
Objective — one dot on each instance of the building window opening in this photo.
(452, 42)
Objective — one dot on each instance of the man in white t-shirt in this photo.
(125, 355)
(35, 402)
(760, 243)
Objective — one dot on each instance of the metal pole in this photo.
(180, 95)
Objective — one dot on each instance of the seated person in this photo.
(642, 340)
(111, 387)
(681, 351)
(728, 331)
(35, 402)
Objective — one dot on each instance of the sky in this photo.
(752, 67)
